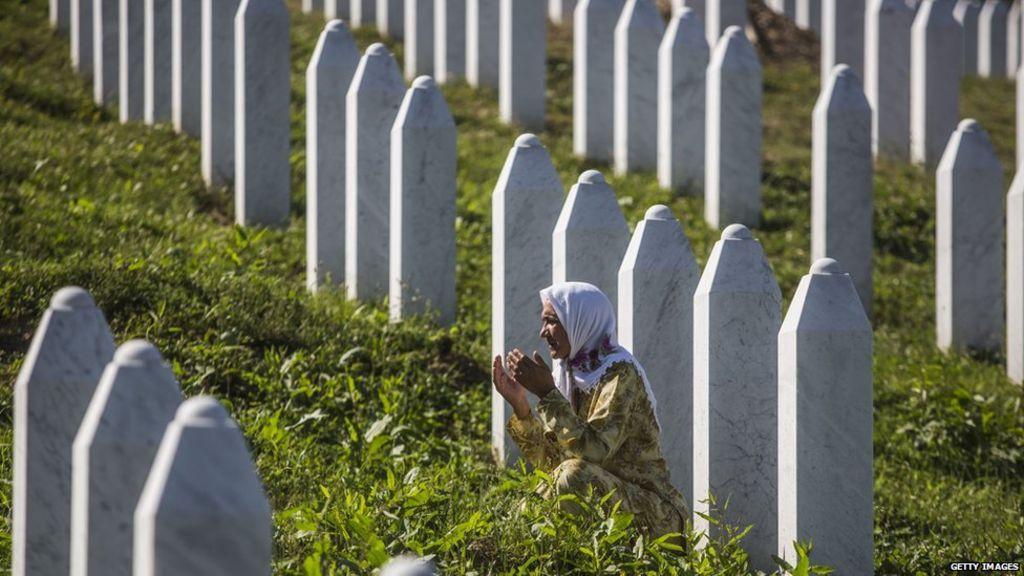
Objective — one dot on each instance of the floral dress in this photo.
(610, 441)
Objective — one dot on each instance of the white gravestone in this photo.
(594, 78)
(113, 451)
(966, 13)
(419, 38)
(808, 14)
(936, 58)
(523, 64)
(992, 40)
(57, 379)
(218, 92)
(682, 67)
(337, 9)
(187, 65)
(736, 319)
(159, 42)
(60, 15)
(1015, 278)
(81, 37)
(449, 39)
(203, 511)
(482, 42)
(842, 36)
(590, 237)
(561, 11)
(423, 187)
(262, 97)
(310, 6)
(391, 18)
(637, 37)
(842, 191)
(408, 566)
(698, 6)
(373, 100)
(328, 77)
(1020, 118)
(969, 222)
(657, 280)
(362, 13)
(1013, 39)
(131, 68)
(720, 15)
(105, 41)
(733, 150)
(887, 76)
(826, 474)
(522, 224)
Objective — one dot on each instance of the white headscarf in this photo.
(589, 321)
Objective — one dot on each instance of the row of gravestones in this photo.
(773, 415)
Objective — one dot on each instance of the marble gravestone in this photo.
(187, 65)
(966, 13)
(593, 112)
(720, 15)
(105, 43)
(590, 236)
(842, 36)
(637, 37)
(202, 452)
(362, 13)
(992, 39)
(113, 451)
(408, 566)
(158, 41)
(391, 18)
(808, 14)
(482, 43)
(682, 66)
(1015, 278)
(657, 280)
(419, 38)
(61, 370)
(969, 279)
(522, 222)
(131, 68)
(218, 92)
(523, 62)
(1020, 117)
(826, 473)
(310, 6)
(373, 100)
(1013, 39)
(81, 37)
(337, 9)
(733, 140)
(449, 39)
(887, 76)
(60, 15)
(842, 183)
(736, 319)
(423, 186)
(328, 77)
(262, 123)
(936, 58)
(561, 11)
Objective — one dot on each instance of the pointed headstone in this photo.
(391, 18)
(262, 128)
(682, 66)
(81, 37)
(992, 40)
(1015, 278)
(637, 37)
(808, 14)
(105, 43)
(419, 38)
(523, 62)
(966, 13)
(522, 224)
(887, 80)
(1020, 117)
(159, 42)
(733, 151)
(969, 243)
(720, 15)
(842, 35)
(594, 78)
(482, 43)
(936, 58)
(69, 351)
(113, 452)
(591, 236)
(203, 452)
(736, 319)
(328, 77)
(423, 168)
(1013, 39)
(826, 474)
(373, 100)
(218, 92)
(362, 13)
(561, 11)
(449, 39)
(131, 68)
(657, 280)
(187, 64)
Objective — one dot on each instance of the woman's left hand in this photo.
(533, 374)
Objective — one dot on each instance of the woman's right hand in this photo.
(509, 389)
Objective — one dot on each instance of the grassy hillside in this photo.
(373, 439)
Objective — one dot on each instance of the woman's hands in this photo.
(533, 374)
(510, 389)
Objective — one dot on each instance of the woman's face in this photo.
(551, 329)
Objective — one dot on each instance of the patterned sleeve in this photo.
(603, 432)
(538, 448)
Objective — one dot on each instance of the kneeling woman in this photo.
(595, 423)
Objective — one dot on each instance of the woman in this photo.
(595, 424)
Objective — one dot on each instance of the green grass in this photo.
(373, 438)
